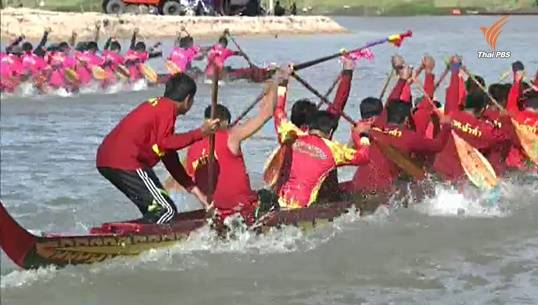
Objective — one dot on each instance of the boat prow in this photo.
(107, 241)
(16, 241)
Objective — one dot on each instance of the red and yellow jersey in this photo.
(307, 159)
(313, 158)
(379, 175)
(528, 119)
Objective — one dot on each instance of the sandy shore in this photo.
(32, 22)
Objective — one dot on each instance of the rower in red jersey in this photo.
(424, 115)
(498, 154)
(468, 124)
(379, 176)
(301, 113)
(312, 154)
(143, 138)
(525, 112)
(233, 193)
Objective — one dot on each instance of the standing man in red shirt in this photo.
(145, 136)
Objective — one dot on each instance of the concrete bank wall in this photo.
(32, 22)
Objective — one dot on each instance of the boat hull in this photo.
(131, 238)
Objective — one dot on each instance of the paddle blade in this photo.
(122, 71)
(149, 73)
(402, 161)
(172, 67)
(71, 76)
(528, 140)
(273, 165)
(476, 167)
(98, 73)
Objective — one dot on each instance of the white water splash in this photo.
(62, 92)
(448, 201)
(27, 277)
(139, 85)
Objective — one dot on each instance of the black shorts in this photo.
(145, 190)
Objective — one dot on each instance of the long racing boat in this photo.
(129, 238)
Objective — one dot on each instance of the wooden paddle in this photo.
(527, 138)
(98, 73)
(399, 159)
(149, 73)
(227, 32)
(170, 184)
(329, 91)
(183, 29)
(396, 39)
(122, 72)
(476, 167)
(71, 76)
(211, 164)
(386, 85)
(247, 110)
(172, 67)
(443, 76)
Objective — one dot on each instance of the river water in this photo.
(448, 249)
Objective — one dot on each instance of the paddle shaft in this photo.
(313, 62)
(211, 164)
(389, 78)
(321, 97)
(240, 50)
(402, 161)
(442, 78)
(485, 91)
(329, 91)
(247, 110)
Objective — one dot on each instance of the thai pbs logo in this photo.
(491, 34)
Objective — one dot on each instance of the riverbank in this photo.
(31, 23)
(414, 7)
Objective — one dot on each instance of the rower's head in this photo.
(186, 42)
(302, 111)
(323, 123)
(398, 111)
(15, 50)
(115, 46)
(63, 46)
(140, 46)
(181, 88)
(370, 107)
(27, 46)
(476, 102)
(471, 86)
(222, 113)
(223, 41)
(92, 46)
(499, 92)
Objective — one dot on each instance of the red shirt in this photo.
(308, 159)
(145, 136)
(497, 155)
(232, 183)
(380, 174)
(517, 157)
(478, 133)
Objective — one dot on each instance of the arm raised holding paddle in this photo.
(240, 132)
